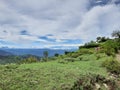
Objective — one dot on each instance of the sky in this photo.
(56, 23)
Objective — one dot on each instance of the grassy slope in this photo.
(47, 75)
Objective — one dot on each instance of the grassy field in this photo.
(50, 75)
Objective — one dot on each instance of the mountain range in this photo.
(5, 53)
(36, 52)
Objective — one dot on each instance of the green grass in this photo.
(47, 75)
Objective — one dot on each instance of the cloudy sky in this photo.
(56, 23)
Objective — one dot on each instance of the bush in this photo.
(29, 60)
(62, 61)
(70, 59)
(98, 56)
(11, 66)
(110, 47)
(85, 51)
(90, 82)
(75, 55)
(90, 45)
(112, 66)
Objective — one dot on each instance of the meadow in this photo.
(92, 67)
(52, 75)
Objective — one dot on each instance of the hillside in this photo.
(94, 66)
(47, 75)
(60, 74)
(55, 75)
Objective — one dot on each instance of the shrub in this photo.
(90, 45)
(67, 52)
(90, 82)
(110, 47)
(70, 59)
(85, 51)
(11, 66)
(29, 60)
(112, 66)
(98, 57)
(56, 54)
(75, 55)
(62, 61)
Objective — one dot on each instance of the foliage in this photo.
(56, 55)
(110, 47)
(9, 59)
(67, 52)
(101, 39)
(116, 33)
(45, 54)
(71, 59)
(112, 66)
(91, 44)
(15, 59)
(63, 61)
(92, 81)
(86, 51)
(75, 55)
(29, 60)
(46, 75)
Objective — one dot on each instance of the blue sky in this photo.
(56, 23)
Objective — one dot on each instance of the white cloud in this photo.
(99, 21)
(64, 19)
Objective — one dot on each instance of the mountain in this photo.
(37, 52)
(5, 53)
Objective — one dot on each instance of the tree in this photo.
(98, 39)
(102, 39)
(116, 34)
(45, 53)
(56, 55)
(67, 52)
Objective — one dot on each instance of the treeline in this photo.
(107, 45)
(18, 59)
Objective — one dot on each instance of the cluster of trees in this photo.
(91, 44)
(101, 39)
(112, 46)
(109, 46)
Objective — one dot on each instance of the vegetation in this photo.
(18, 59)
(29, 60)
(45, 53)
(101, 39)
(46, 75)
(91, 44)
(116, 34)
(94, 82)
(92, 67)
(112, 66)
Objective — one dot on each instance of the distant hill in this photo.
(5, 53)
(37, 52)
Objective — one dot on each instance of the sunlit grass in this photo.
(47, 75)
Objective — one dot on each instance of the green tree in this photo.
(98, 39)
(56, 55)
(102, 39)
(45, 53)
(116, 34)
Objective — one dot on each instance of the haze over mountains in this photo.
(36, 52)
(5, 53)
